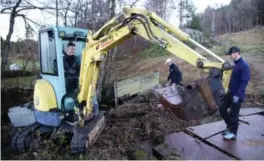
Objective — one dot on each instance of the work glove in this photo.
(235, 99)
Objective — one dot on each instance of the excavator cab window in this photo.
(48, 53)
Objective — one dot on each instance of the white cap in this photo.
(168, 61)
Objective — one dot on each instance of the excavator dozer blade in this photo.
(86, 136)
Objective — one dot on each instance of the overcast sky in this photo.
(19, 29)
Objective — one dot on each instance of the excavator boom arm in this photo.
(148, 25)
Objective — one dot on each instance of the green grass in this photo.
(247, 41)
(249, 37)
(221, 50)
(154, 51)
(250, 48)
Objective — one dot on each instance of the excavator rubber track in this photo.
(21, 141)
(83, 137)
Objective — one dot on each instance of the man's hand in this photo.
(235, 99)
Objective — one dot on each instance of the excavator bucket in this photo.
(189, 102)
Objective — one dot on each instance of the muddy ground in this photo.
(127, 126)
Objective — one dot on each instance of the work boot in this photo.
(230, 136)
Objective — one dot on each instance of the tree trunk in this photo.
(57, 14)
(94, 16)
(105, 66)
(26, 61)
(65, 18)
(6, 45)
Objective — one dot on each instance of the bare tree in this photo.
(160, 7)
(186, 11)
(133, 3)
(17, 8)
(63, 10)
(89, 14)
(237, 16)
(106, 66)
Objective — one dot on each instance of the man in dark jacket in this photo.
(175, 75)
(72, 71)
(71, 68)
(236, 93)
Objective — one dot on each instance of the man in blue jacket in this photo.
(175, 75)
(236, 93)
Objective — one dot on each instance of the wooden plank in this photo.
(248, 146)
(187, 148)
(250, 141)
(208, 129)
(254, 120)
(138, 84)
(250, 111)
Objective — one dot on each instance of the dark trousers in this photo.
(231, 118)
(71, 84)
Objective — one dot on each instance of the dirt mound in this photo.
(129, 125)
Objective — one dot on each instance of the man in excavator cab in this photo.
(71, 67)
(72, 71)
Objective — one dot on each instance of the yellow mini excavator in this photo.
(76, 111)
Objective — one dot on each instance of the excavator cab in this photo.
(51, 93)
(54, 102)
